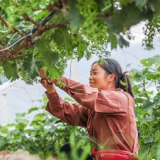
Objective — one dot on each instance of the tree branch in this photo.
(26, 43)
(7, 54)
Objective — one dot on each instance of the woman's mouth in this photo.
(91, 83)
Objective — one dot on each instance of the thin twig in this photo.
(4, 22)
(18, 57)
(27, 18)
(14, 28)
(48, 27)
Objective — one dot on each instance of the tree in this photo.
(40, 33)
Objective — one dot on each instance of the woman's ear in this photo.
(111, 77)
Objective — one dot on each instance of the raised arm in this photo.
(71, 113)
(113, 102)
(109, 102)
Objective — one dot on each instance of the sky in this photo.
(19, 97)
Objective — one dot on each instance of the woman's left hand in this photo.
(42, 73)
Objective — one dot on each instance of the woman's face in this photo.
(98, 77)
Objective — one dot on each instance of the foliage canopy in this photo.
(36, 33)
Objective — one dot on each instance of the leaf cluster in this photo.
(146, 90)
(49, 33)
(40, 133)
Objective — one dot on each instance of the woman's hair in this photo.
(122, 80)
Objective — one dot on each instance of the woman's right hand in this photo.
(46, 82)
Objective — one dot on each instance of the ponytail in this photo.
(125, 84)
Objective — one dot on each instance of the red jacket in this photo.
(108, 115)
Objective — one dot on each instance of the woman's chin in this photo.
(93, 86)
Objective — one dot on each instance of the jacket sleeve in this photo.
(109, 102)
(72, 113)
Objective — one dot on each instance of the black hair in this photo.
(122, 80)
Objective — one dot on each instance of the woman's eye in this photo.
(94, 73)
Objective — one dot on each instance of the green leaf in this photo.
(148, 105)
(150, 61)
(34, 70)
(81, 50)
(22, 120)
(122, 42)
(50, 58)
(149, 118)
(43, 45)
(74, 17)
(154, 6)
(144, 122)
(139, 100)
(62, 38)
(21, 126)
(4, 130)
(150, 139)
(32, 66)
(113, 40)
(88, 54)
(140, 3)
(54, 72)
(151, 76)
(140, 111)
(137, 75)
(154, 59)
(32, 109)
(39, 117)
(20, 114)
(10, 125)
(40, 13)
(27, 62)
(10, 71)
(124, 2)
(128, 16)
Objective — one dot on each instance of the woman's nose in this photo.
(90, 77)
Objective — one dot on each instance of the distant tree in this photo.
(47, 33)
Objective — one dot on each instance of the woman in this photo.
(106, 108)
